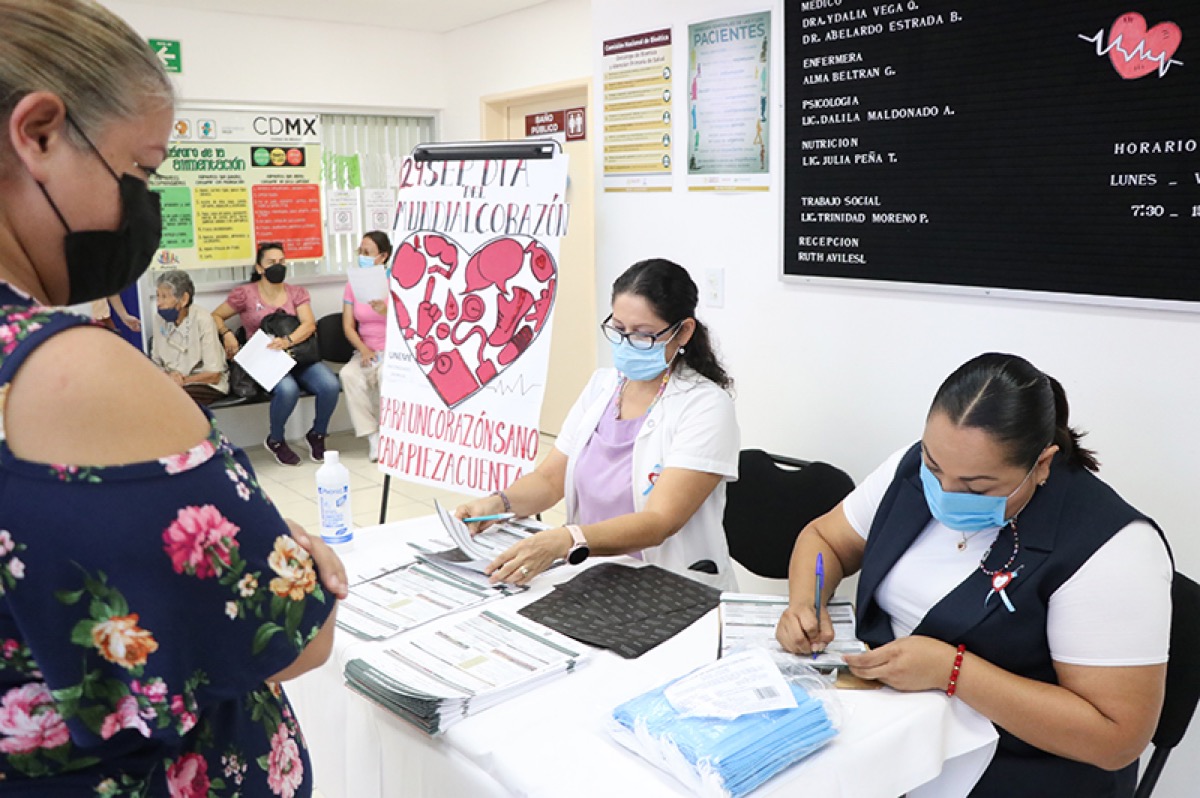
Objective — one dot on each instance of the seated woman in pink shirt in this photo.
(365, 324)
(253, 301)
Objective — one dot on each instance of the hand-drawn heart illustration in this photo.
(1136, 52)
(467, 316)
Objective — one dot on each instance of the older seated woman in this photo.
(184, 343)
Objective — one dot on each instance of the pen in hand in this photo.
(496, 517)
(820, 586)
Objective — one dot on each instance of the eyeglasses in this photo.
(638, 340)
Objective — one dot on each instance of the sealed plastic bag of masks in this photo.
(726, 728)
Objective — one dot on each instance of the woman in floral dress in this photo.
(151, 597)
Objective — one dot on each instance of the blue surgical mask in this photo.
(366, 261)
(639, 364)
(169, 315)
(965, 512)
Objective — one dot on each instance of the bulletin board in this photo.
(1047, 148)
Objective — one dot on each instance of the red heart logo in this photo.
(1136, 52)
(467, 317)
(1000, 580)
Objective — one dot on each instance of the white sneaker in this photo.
(373, 447)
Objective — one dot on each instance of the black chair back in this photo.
(773, 498)
(1183, 679)
(331, 338)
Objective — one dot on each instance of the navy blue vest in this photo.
(1068, 519)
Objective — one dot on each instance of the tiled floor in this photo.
(294, 488)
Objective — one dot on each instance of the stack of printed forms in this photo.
(439, 674)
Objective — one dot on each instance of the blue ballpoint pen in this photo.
(496, 517)
(817, 594)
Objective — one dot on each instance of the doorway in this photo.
(573, 337)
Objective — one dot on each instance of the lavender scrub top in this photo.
(602, 474)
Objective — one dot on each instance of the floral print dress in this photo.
(142, 608)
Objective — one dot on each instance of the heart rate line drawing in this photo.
(466, 317)
(1136, 52)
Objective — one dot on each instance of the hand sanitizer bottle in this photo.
(333, 500)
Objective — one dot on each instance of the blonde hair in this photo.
(82, 52)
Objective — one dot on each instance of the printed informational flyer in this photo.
(729, 103)
(637, 112)
(234, 178)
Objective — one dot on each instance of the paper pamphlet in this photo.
(266, 366)
(368, 284)
(748, 621)
(404, 599)
(473, 553)
(461, 535)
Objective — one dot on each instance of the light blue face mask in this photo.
(639, 364)
(965, 512)
(366, 261)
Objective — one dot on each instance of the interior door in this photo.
(573, 337)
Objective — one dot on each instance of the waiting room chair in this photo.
(332, 341)
(1183, 679)
(773, 498)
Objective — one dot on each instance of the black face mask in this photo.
(101, 263)
(275, 273)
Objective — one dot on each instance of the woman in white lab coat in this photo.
(645, 452)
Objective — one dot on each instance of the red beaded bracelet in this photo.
(958, 658)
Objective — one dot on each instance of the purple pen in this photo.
(817, 593)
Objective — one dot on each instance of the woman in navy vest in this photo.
(995, 566)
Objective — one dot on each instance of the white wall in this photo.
(846, 375)
(252, 59)
(548, 43)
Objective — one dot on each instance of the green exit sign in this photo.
(167, 51)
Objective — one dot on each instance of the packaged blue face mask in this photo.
(722, 756)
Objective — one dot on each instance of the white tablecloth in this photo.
(553, 741)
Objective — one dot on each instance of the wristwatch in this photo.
(579, 545)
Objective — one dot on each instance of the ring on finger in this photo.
(524, 571)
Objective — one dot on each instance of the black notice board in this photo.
(1045, 146)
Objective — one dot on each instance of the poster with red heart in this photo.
(472, 285)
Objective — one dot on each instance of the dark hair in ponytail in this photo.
(255, 274)
(671, 292)
(1024, 409)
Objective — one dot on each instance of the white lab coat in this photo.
(692, 426)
